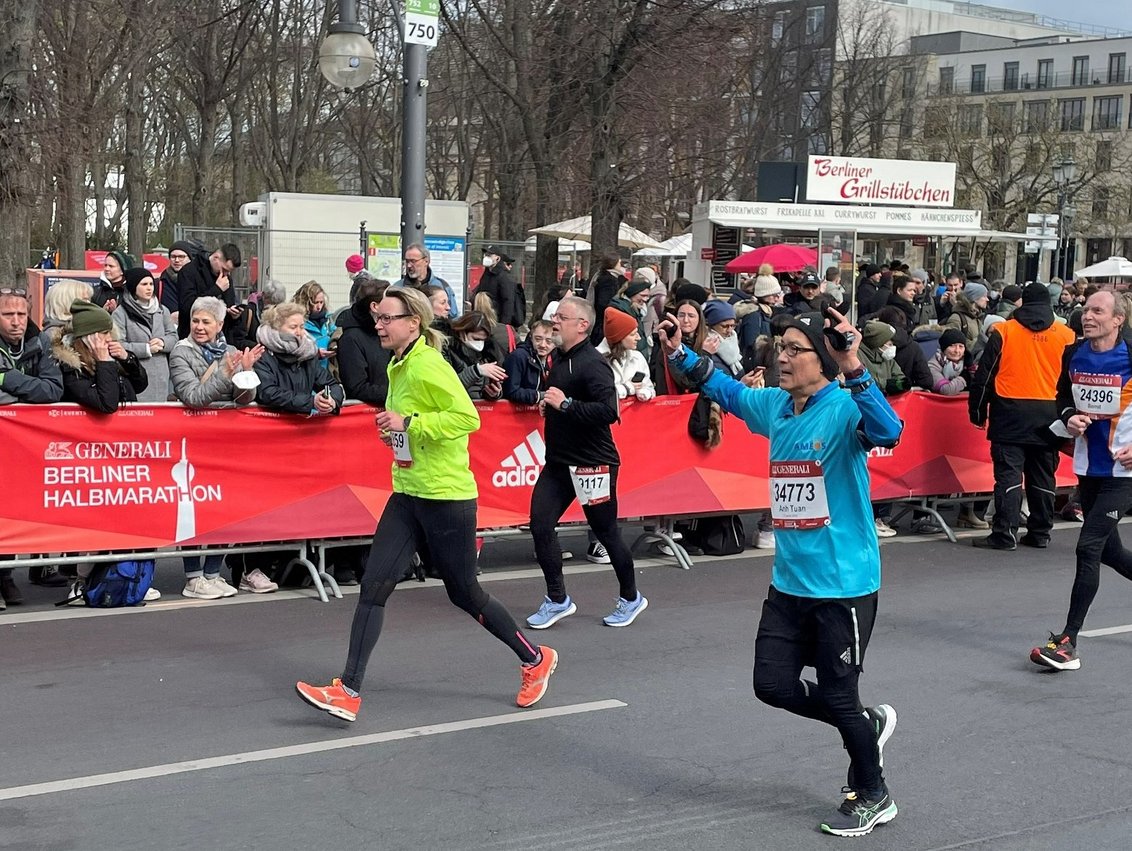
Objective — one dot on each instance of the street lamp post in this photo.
(1063, 174)
(347, 60)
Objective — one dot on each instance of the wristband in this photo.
(680, 355)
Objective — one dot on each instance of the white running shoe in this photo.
(884, 530)
(152, 594)
(223, 587)
(199, 588)
(764, 541)
(257, 583)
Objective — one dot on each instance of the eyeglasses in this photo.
(792, 350)
(177, 255)
(558, 317)
(386, 318)
(414, 260)
(540, 340)
(20, 291)
(687, 316)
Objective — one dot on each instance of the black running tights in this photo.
(447, 528)
(1104, 501)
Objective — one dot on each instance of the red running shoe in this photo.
(332, 698)
(1058, 653)
(537, 677)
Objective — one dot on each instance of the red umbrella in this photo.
(784, 258)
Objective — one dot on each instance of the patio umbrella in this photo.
(677, 246)
(579, 228)
(1113, 267)
(784, 257)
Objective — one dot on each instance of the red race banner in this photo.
(161, 475)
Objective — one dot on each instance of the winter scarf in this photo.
(287, 346)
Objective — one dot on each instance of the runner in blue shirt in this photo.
(1093, 395)
(822, 600)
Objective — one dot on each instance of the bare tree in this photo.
(17, 27)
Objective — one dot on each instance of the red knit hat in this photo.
(618, 325)
(355, 263)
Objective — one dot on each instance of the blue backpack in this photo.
(123, 583)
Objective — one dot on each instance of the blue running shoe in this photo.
(626, 611)
(550, 613)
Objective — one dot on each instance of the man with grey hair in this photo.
(419, 275)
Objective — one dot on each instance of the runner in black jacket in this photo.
(580, 405)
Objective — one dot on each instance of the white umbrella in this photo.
(579, 228)
(677, 246)
(1113, 267)
(565, 246)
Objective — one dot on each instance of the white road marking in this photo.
(114, 777)
(1108, 630)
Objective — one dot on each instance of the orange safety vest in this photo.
(1031, 360)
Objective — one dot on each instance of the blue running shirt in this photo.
(1102, 388)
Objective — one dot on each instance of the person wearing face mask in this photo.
(604, 286)
(496, 283)
(878, 354)
(147, 332)
(473, 354)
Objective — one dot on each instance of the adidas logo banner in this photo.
(520, 469)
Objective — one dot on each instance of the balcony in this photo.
(1028, 83)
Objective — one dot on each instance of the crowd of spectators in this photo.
(184, 337)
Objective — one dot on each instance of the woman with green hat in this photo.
(98, 372)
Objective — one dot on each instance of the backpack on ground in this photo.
(122, 583)
(718, 536)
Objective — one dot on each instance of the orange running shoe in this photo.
(334, 699)
(537, 677)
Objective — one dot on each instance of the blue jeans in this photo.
(212, 565)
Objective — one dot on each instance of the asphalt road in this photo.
(649, 737)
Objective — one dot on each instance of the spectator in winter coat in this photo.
(98, 372)
(754, 317)
(28, 373)
(720, 319)
(529, 365)
(496, 284)
(204, 370)
(945, 301)
(878, 354)
(473, 354)
(203, 276)
(502, 335)
(693, 330)
(968, 307)
(180, 253)
(318, 324)
(633, 299)
(605, 285)
(112, 281)
(362, 360)
(146, 331)
(419, 274)
(291, 378)
(441, 304)
(949, 366)
(909, 356)
(808, 298)
(630, 369)
(872, 295)
(923, 302)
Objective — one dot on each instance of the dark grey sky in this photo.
(1111, 13)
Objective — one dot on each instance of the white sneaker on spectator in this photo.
(75, 594)
(257, 583)
(223, 587)
(884, 530)
(152, 594)
(764, 541)
(199, 588)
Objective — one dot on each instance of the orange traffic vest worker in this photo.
(1013, 396)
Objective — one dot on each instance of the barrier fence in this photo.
(157, 476)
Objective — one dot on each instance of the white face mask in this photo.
(488, 261)
(474, 345)
(888, 352)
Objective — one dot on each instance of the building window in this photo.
(811, 110)
(1045, 73)
(815, 23)
(1072, 111)
(1104, 156)
(1037, 116)
(971, 119)
(1010, 77)
(1116, 67)
(1080, 75)
(825, 67)
(978, 79)
(907, 123)
(946, 80)
(908, 89)
(778, 27)
(1106, 112)
(1100, 201)
(935, 120)
(1000, 119)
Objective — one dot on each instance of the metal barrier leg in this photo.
(313, 571)
(326, 577)
(663, 534)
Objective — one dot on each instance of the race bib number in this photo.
(591, 484)
(1097, 396)
(797, 495)
(402, 451)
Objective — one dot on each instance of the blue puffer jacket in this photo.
(321, 334)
